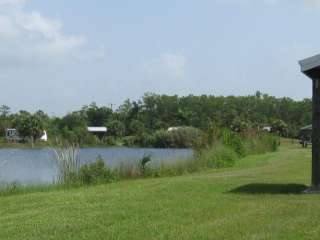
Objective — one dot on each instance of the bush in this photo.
(143, 164)
(162, 139)
(271, 142)
(233, 140)
(96, 172)
(128, 141)
(218, 156)
(144, 140)
(262, 144)
(183, 137)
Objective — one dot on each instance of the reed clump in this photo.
(68, 162)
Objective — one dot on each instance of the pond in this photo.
(38, 166)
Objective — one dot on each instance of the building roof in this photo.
(310, 63)
(308, 127)
(97, 129)
(311, 66)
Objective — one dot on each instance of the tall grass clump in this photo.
(262, 143)
(234, 141)
(96, 172)
(217, 156)
(68, 162)
(136, 169)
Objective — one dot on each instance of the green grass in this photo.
(259, 198)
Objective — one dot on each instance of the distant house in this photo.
(99, 131)
(12, 135)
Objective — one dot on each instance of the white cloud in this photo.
(32, 36)
(49, 31)
(12, 2)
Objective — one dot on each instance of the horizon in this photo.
(58, 56)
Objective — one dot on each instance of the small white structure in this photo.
(97, 129)
(44, 137)
(171, 129)
(267, 129)
(12, 134)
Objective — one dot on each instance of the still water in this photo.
(38, 166)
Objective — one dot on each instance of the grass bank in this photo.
(258, 198)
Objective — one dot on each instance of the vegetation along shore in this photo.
(145, 122)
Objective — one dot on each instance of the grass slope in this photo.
(257, 199)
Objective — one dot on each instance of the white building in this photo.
(99, 131)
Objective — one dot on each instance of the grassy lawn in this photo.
(257, 199)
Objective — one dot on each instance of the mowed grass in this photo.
(257, 199)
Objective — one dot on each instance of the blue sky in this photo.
(59, 55)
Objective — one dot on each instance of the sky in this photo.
(59, 55)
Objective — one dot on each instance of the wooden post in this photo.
(316, 134)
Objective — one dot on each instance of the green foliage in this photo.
(234, 141)
(29, 125)
(96, 116)
(116, 128)
(96, 172)
(182, 137)
(218, 156)
(143, 164)
(129, 141)
(162, 139)
(280, 127)
(4, 120)
(136, 127)
(143, 140)
(147, 119)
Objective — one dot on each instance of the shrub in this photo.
(162, 139)
(183, 137)
(128, 141)
(143, 164)
(262, 143)
(144, 140)
(271, 142)
(96, 172)
(218, 156)
(234, 141)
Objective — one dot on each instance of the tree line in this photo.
(155, 112)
